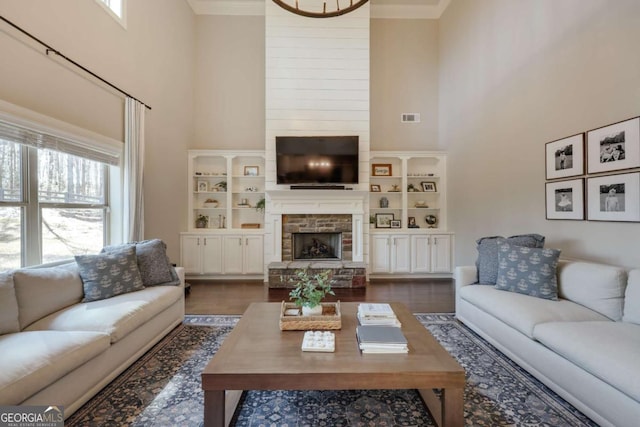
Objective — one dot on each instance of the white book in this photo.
(375, 309)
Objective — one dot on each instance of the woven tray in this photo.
(330, 318)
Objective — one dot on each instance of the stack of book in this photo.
(381, 339)
(377, 314)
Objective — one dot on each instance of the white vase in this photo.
(312, 311)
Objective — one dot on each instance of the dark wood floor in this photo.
(234, 296)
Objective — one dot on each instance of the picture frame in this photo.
(251, 170)
(565, 199)
(411, 222)
(202, 186)
(614, 197)
(375, 188)
(383, 220)
(395, 223)
(429, 187)
(565, 157)
(381, 169)
(614, 147)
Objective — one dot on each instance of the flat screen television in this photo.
(317, 159)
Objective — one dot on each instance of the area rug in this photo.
(163, 389)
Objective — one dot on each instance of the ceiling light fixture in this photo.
(306, 7)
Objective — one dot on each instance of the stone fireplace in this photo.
(316, 237)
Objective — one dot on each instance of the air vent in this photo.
(410, 118)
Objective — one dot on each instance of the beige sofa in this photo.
(584, 346)
(57, 350)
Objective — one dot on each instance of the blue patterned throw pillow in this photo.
(153, 262)
(109, 274)
(530, 271)
(487, 262)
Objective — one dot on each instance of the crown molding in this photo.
(256, 8)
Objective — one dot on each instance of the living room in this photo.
(493, 80)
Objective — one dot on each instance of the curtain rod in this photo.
(60, 54)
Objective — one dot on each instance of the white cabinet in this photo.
(390, 253)
(431, 253)
(243, 254)
(201, 254)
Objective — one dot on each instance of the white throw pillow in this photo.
(8, 305)
(632, 299)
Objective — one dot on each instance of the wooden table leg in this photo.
(214, 408)
(452, 407)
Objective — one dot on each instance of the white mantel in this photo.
(283, 202)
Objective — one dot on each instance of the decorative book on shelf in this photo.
(381, 339)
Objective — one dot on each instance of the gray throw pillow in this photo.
(529, 271)
(108, 274)
(153, 262)
(487, 262)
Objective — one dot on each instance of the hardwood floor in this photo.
(234, 296)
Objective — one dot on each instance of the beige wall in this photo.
(513, 76)
(230, 82)
(153, 59)
(404, 79)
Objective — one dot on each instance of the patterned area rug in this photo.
(163, 389)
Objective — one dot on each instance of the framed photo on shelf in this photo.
(565, 157)
(614, 147)
(251, 170)
(429, 186)
(375, 188)
(565, 199)
(381, 169)
(203, 186)
(383, 220)
(411, 223)
(395, 223)
(614, 197)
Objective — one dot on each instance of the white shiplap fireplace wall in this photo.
(317, 83)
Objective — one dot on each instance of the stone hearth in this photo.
(316, 223)
(344, 274)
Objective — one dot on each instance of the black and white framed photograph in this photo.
(251, 170)
(203, 186)
(565, 199)
(614, 147)
(375, 188)
(614, 197)
(395, 223)
(429, 186)
(565, 157)
(383, 220)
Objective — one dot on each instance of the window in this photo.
(56, 184)
(115, 8)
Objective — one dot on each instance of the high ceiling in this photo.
(426, 9)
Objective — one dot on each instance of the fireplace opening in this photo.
(317, 246)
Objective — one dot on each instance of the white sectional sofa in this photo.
(57, 350)
(585, 346)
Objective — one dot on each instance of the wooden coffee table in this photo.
(257, 355)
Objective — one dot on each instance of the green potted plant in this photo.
(202, 221)
(260, 205)
(310, 290)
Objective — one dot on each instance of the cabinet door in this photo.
(380, 254)
(420, 254)
(190, 254)
(400, 254)
(441, 253)
(212, 254)
(233, 260)
(253, 255)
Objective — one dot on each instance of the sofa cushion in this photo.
(487, 262)
(529, 271)
(116, 316)
(32, 360)
(523, 312)
(8, 305)
(608, 350)
(42, 291)
(596, 286)
(109, 274)
(632, 298)
(153, 262)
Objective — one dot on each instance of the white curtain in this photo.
(133, 218)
